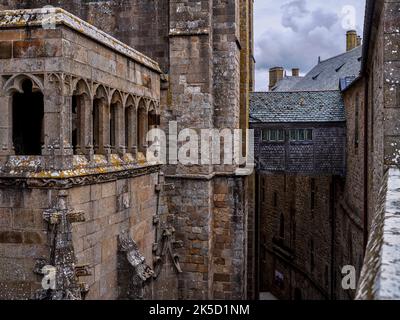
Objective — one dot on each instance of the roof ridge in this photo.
(340, 54)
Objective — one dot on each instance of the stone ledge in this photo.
(83, 173)
(380, 277)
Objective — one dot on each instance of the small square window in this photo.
(292, 135)
(301, 135)
(281, 135)
(272, 135)
(309, 135)
(265, 135)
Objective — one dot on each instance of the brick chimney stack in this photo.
(351, 40)
(275, 75)
(295, 72)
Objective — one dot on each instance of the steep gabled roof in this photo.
(304, 106)
(326, 74)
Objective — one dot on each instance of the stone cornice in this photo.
(81, 180)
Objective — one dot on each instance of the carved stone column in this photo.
(131, 131)
(6, 143)
(87, 132)
(142, 127)
(56, 123)
(104, 130)
(120, 130)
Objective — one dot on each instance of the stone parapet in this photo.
(380, 277)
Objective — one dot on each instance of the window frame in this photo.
(301, 135)
(273, 135)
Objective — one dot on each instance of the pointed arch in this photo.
(27, 118)
(131, 124)
(81, 86)
(81, 119)
(100, 119)
(142, 127)
(117, 135)
(14, 84)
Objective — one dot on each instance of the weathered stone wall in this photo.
(230, 238)
(204, 92)
(382, 80)
(111, 209)
(351, 203)
(23, 239)
(296, 240)
(383, 93)
(376, 108)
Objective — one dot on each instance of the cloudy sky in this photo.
(293, 33)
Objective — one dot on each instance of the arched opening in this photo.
(75, 123)
(153, 120)
(113, 126)
(97, 104)
(79, 102)
(142, 127)
(81, 129)
(116, 122)
(100, 118)
(28, 114)
(130, 128)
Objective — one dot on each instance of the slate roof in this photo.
(346, 82)
(305, 106)
(326, 74)
(287, 83)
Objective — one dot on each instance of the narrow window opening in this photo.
(96, 125)
(113, 126)
(128, 127)
(28, 114)
(282, 227)
(275, 199)
(141, 128)
(312, 255)
(75, 123)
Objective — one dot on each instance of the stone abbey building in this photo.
(80, 86)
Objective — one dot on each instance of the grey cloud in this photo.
(296, 16)
(305, 32)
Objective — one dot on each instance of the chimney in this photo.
(295, 72)
(275, 75)
(351, 40)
